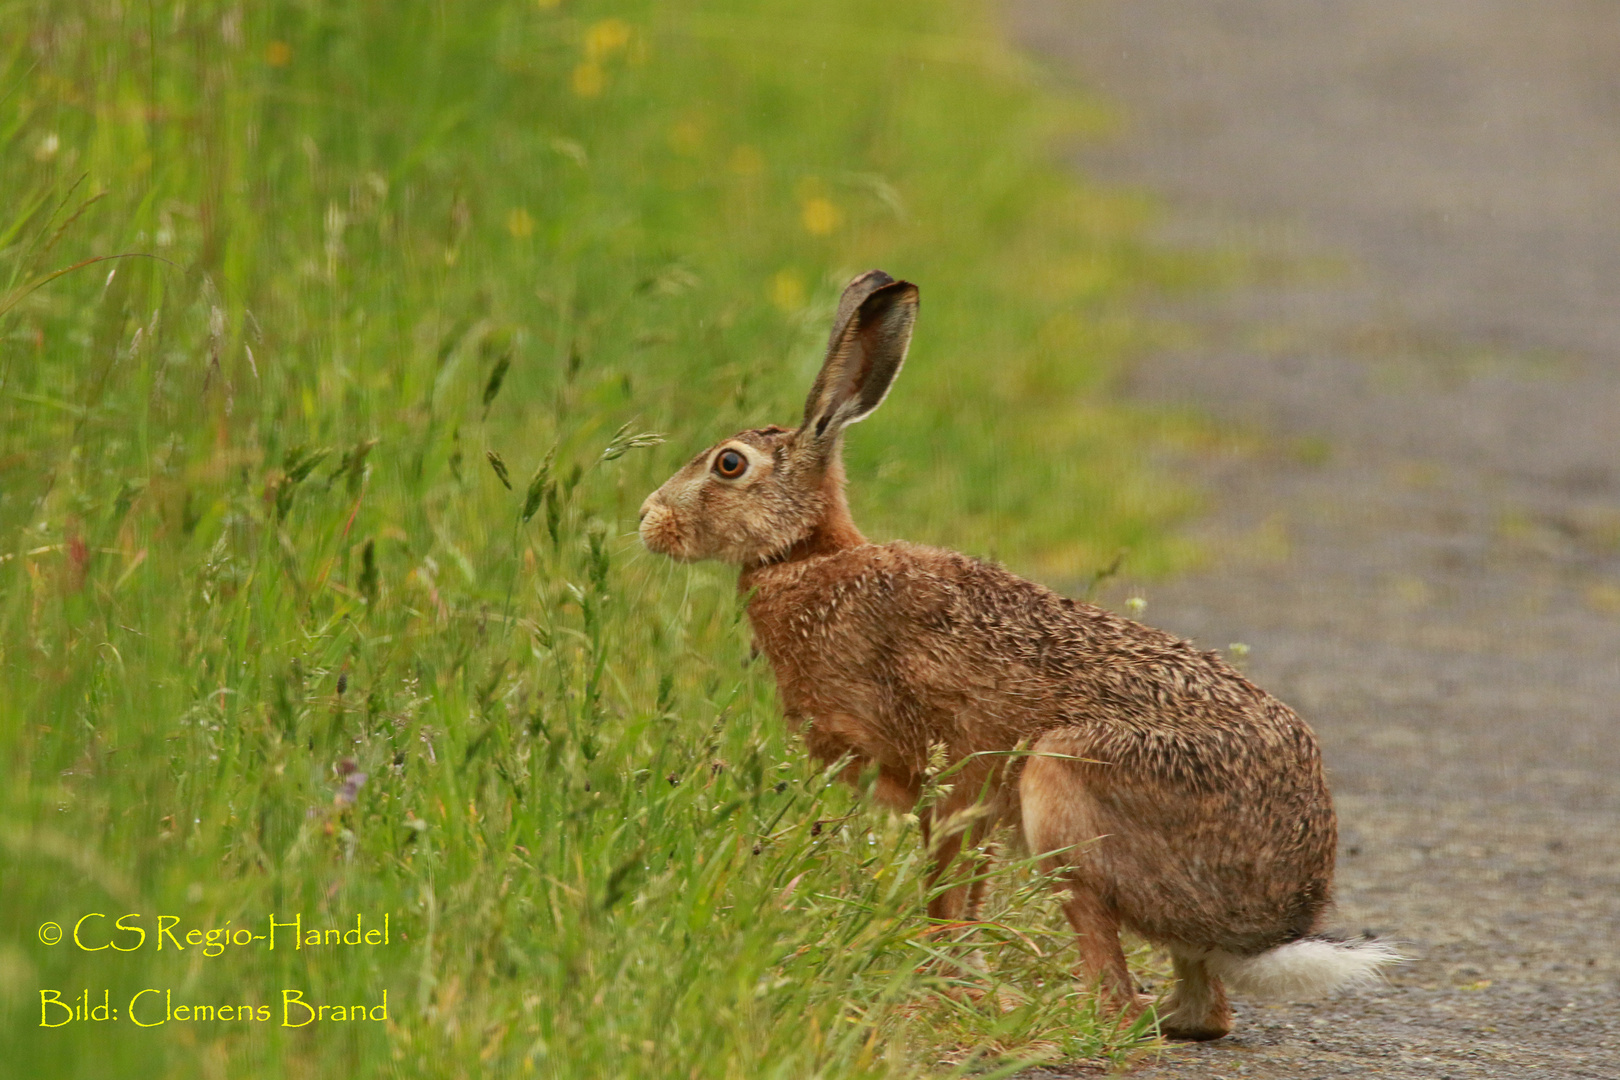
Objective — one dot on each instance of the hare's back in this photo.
(1079, 650)
(933, 632)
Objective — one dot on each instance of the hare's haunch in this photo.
(1181, 801)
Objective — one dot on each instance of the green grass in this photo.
(252, 544)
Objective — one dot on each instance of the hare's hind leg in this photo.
(1059, 814)
(1197, 1009)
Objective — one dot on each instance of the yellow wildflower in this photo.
(820, 216)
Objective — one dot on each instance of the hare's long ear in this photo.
(869, 338)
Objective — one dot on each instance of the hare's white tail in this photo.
(1307, 968)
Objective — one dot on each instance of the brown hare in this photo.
(1179, 800)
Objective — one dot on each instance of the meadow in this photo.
(339, 344)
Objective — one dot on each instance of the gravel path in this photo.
(1424, 553)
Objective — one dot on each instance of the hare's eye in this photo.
(730, 464)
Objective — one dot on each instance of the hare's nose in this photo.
(646, 504)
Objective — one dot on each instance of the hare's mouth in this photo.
(661, 533)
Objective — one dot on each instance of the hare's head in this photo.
(761, 495)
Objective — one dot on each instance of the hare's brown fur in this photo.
(1180, 800)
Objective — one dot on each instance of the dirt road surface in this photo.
(1424, 557)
